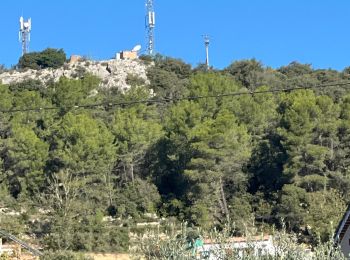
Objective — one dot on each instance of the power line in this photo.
(166, 100)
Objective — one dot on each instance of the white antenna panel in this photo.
(21, 22)
(151, 18)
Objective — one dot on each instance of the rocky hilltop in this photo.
(113, 73)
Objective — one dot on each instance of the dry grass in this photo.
(28, 257)
(110, 256)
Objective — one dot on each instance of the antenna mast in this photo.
(150, 24)
(206, 43)
(24, 34)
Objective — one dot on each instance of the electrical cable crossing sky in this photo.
(166, 100)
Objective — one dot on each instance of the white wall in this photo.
(265, 247)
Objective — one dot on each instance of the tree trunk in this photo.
(109, 186)
(224, 202)
(124, 169)
(332, 149)
(132, 173)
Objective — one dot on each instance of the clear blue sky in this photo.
(275, 32)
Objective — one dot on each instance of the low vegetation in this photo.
(182, 245)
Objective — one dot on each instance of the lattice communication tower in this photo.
(24, 34)
(150, 25)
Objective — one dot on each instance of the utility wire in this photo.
(166, 100)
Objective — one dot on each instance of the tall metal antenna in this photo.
(206, 43)
(150, 24)
(24, 34)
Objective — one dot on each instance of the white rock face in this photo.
(113, 73)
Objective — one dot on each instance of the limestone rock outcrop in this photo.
(113, 73)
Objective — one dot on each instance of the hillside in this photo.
(249, 148)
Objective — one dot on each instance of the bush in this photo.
(64, 255)
(49, 58)
(29, 85)
(134, 80)
(179, 245)
(147, 59)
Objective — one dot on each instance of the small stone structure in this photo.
(74, 59)
(128, 55)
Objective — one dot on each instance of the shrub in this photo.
(179, 245)
(49, 58)
(134, 80)
(64, 255)
(147, 59)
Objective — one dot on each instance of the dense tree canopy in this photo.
(251, 160)
(48, 58)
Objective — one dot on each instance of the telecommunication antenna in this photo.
(206, 43)
(24, 34)
(150, 24)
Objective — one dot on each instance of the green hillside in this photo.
(247, 146)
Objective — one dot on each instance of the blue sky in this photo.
(275, 32)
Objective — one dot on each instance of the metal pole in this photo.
(206, 43)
